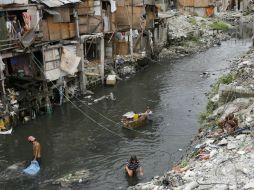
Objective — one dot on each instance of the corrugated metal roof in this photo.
(57, 3)
(52, 12)
(7, 2)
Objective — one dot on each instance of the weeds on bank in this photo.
(183, 164)
(191, 41)
(211, 106)
(193, 21)
(224, 79)
(220, 25)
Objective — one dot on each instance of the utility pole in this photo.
(131, 37)
(80, 52)
(102, 57)
(2, 77)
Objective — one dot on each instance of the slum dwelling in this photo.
(202, 8)
(236, 5)
(91, 16)
(43, 52)
(134, 27)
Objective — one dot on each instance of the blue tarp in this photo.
(33, 168)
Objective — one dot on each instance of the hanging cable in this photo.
(203, 71)
(114, 122)
(112, 132)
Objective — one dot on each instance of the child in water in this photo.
(132, 166)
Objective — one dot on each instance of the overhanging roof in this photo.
(8, 2)
(56, 3)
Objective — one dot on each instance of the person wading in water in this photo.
(36, 149)
(132, 166)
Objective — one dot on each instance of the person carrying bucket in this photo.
(36, 149)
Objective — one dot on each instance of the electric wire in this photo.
(114, 122)
(89, 117)
(203, 71)
(105, 117)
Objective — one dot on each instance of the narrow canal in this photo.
(175, 92)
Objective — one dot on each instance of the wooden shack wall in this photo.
(57, 31)
(150, 16)
(135, 2)
(88, 21)
(203, 3)
(194, 3)
(123, 17)
(186, 3)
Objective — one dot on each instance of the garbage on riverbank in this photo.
(223, 152)
(188, 34)
(69, 179)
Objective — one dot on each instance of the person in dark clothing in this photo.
(16, 27)
(132, 166)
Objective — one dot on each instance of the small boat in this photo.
(7, 132)
(132, 120)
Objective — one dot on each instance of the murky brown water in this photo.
(71, 142)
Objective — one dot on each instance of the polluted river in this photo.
(78, 137)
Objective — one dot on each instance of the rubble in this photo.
(187, 35)
(76, 177)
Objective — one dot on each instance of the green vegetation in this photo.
(203, 116)
(211, 106)
(195, 14)
(193, 21)
(203, 25)
(191, 41)
(220, 25)
(224, 79)
(194, 39)
(194, 153)
(183, 164)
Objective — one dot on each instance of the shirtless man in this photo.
(36, 149)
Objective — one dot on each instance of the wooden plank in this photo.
(45, 30)
(150, 16)
(90, 24)
(123, 16)
(113, 22)
(54, 29)
(85, 29)
(72, 30)
(186, 3)
(65, 30)
(83, 8)
(203, 3)
(122, 48)
(64, 15)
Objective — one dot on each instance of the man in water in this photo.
(132, 166)
(36, 149)
(149, 114)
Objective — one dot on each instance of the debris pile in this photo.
(222, 160)
(76, 177)
(188, 34)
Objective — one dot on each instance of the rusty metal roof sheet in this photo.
(57, 3)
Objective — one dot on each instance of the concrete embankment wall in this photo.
(228, 93)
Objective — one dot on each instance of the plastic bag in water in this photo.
(33, 168)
